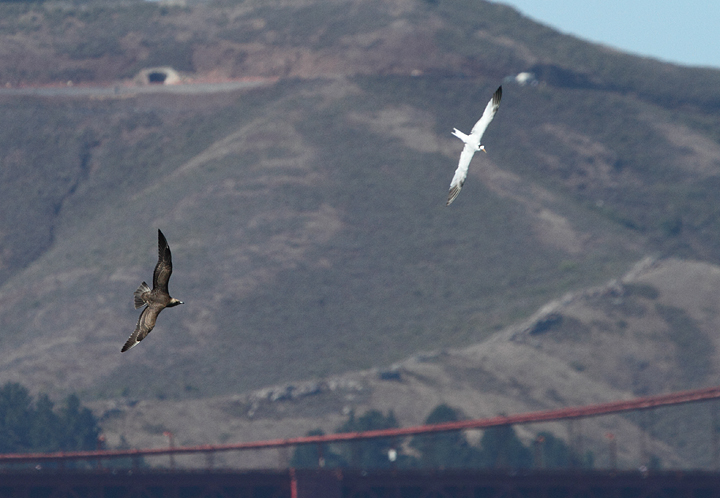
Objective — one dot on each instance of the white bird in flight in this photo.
(472, 144)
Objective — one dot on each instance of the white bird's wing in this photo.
(460, 173)
(490, 110)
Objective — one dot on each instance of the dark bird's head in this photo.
(173, 302)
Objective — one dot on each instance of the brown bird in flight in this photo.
(156, 299)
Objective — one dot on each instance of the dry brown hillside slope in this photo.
(307, 221)
(56, 43)
(580, 349)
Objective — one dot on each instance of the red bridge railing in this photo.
(524, 418)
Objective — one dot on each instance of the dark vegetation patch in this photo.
(547, 323)
(561, 327)
(29, 425)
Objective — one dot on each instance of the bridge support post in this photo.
(171, 445)
(575, 443)
(539, 461)
(714, 433)
(283, 457)
(643, 433)
(100, 445)
(612, 450)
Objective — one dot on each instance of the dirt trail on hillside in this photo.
(122, 90)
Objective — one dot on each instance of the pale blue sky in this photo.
(680, 31)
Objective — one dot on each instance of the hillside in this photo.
(306, 216)
(546, 361)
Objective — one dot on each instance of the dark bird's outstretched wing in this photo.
(163, 269)
(145, 324)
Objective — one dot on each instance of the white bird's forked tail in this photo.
(460, 135)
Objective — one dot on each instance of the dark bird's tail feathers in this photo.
(139, 301)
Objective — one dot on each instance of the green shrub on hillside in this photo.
(499, 448)
(447, 449)
(372, 453)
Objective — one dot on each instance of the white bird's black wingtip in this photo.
(497, 96)
(454, 191)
